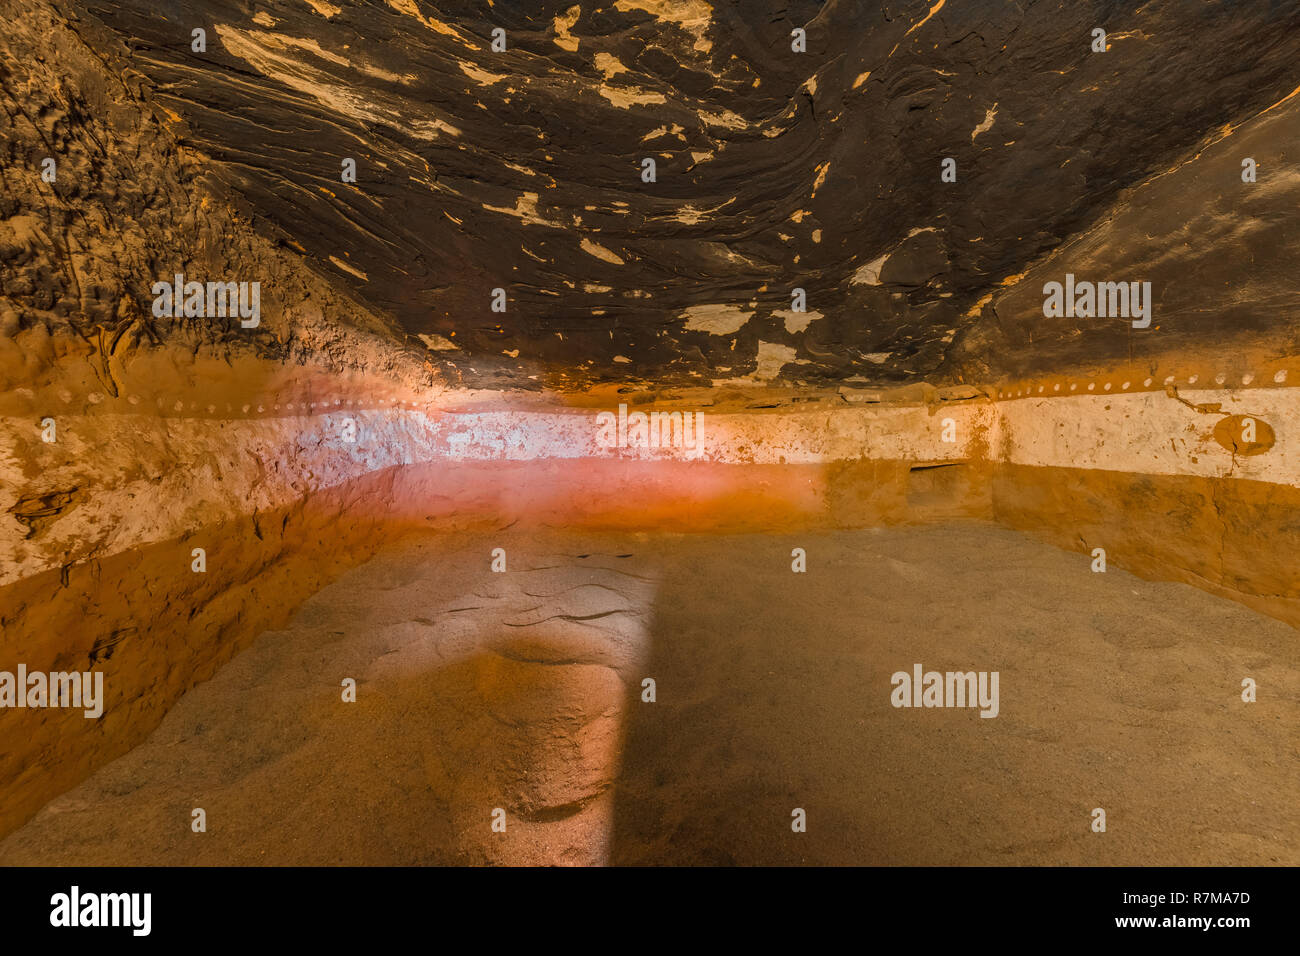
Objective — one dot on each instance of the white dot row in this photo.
(95, 398)
(1279, 377)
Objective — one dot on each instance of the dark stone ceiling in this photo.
(775, 169)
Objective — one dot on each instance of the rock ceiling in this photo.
(480, 169)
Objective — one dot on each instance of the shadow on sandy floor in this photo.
(521, 692)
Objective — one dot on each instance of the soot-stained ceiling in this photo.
(523, 169)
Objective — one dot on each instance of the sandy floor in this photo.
(522, 691)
